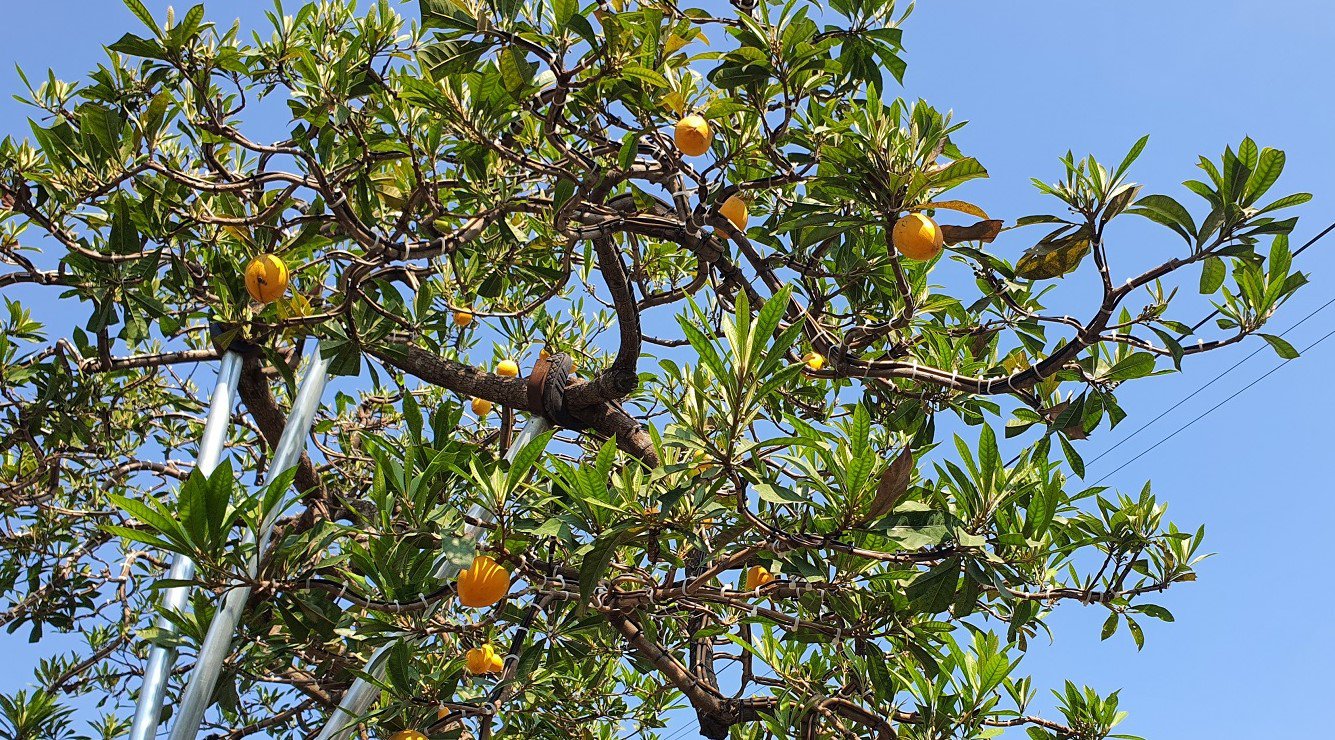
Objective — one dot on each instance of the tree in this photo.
(795, 395)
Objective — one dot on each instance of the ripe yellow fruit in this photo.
(814, 360)
(442, 713)
(266, 278)
(693, 135)
(485, 661)
(481, 407)
(407, 735)
(757, 576)
(917, 237)
(734, 209)
(702, 463)
(462, 318)
(544, 353)
(507, 369)
(484, 583)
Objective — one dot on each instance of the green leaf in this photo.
(563, 11)
(1134, 365)
(777, 494)
(1167, 211)
(1131, 156)
(141, 12)
(1109, 626)
(644, 74)
(135, 46)
(1136, 634)
(1212, 275)
(516, 72)
(1281, 347)
(525, 459)
(957, 173)
(934, 591)
(1268, 168)
(1073, 458)
(595, 562)
(1287, 201)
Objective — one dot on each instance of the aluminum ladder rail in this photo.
(358, 698)
(218, 643)
(162, 658)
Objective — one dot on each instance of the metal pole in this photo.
(161, 657)
(218, 643)
(358, 698)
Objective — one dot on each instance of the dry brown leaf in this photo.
(894, 483)
(983, 231)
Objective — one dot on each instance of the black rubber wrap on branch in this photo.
(547, 391)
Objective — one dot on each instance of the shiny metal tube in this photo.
(218, 642)
(161, 658)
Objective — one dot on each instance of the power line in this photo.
(1306, 245)
(1211, 410)
(1211, 382)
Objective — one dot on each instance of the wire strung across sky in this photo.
(1211, 410)
(1211, 382)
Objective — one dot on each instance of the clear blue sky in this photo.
(1250, 652)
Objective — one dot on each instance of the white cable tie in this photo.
(755, 609)
(342, 592)
(425, 605)
(797, 623)
(838, 634)
(560, 581)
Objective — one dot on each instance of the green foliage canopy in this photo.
(515, 160)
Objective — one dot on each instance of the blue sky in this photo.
(1252, 643)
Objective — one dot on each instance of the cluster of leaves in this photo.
(515, 160)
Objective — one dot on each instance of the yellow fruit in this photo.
(917, 237)
(481, 407)
(442, 713)
(702, 463)
(543, 354)
(485, 661)
(483, 584)
(693, 135)
(407, 735)
(507, 369)
(734, 209)
(814, 360)
(462, 318)
(757, 576)
(266, 278)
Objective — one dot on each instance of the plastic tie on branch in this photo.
(547, 391)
